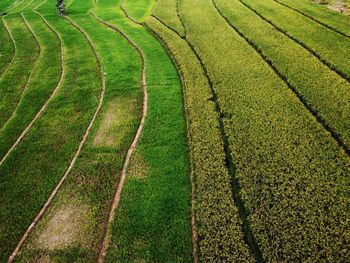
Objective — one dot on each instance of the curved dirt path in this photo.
(37, 116)
(73, 161)
(117, 196)
(14, 45)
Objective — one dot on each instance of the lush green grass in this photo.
(7, 49)
(323, 41)
(153, 217)
(219, 228)
(281, 153)
(4, 4)
(138, 9)
(14, 81)
(34, 168)
(322, 14)
(93, 180)
(44, 80)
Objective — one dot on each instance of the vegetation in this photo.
(7, 49)
(322, 14)
(324, 42)
(174, 131)
(16, 79)
(51, 143)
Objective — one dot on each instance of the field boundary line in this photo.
(126, 13)
(20, 138)
(107, 233)
(313, 19)
(194, 232)
(301, 98)
(81, 145)
(27, 4)
(242, 213)
(28, 82)
(299, 42)
(14, 45)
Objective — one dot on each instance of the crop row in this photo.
(7, 50)
(324, 92)
(153, 217)
(220, 234)
(281, 152)
(91, 184)
(44, 81)
(167, 11)
(321, 14)
(327, 44)
(17, 77)
(31, 172)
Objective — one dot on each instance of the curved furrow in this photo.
(42, 109)
(14, 47)
(243, 214)
(302, 44)
(32, 71)
(15, 82)
(335, 135)
(313, 19)
(116, 199)
(76, 155)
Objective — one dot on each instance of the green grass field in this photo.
(174, 131)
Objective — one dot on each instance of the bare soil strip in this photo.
(334, 134)
(117, 197)
(312, 18)
(14, 44)
(25, 132)
(73, 161)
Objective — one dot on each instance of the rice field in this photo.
(174, 131)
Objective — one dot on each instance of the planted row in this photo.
(322, 14)
(167, 11)
(152, 220)
(330, 46)
(32, 171)
(280, 151)
(44, 81)
(15, 80)
(7, 48)
(90, 186)
(219, 227)
(325, 92)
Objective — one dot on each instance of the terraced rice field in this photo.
(174, 131)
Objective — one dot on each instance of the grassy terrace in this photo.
(322, 41)
(322, 14)
(153, 217)
(273, 172)
(15, 80)
(324, 92)
(219, 227)
(44, 81)
(91, 184)
(174, 131)
(159, 169)
(7, 48)
(34, 168)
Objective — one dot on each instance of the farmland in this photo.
(174, 131)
